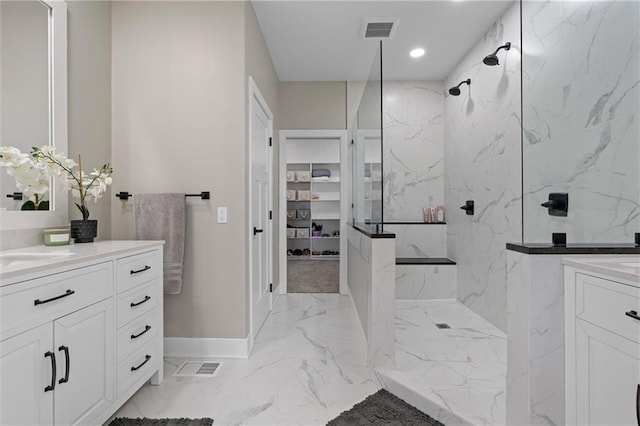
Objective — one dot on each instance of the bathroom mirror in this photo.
(33, 83)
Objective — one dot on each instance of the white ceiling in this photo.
(321, 40)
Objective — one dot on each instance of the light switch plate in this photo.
(222, 215)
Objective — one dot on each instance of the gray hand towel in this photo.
(163, 217)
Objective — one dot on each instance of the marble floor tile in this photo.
(461, 369)
(307, 366)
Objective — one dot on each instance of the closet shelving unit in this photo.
(323, 208)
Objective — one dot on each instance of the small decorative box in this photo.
(303, 176)
(291, 176)
(302, 232)
(292, 214)
(291, 232)
(291, 194)
(56, 237)
(304, 194)
(304, 214)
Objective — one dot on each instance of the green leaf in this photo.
(43, 205)
(28, 205)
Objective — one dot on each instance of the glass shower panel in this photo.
(581, 119)
(367, 151)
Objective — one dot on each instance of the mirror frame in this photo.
(59, 215)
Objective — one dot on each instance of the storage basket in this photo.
(292, 214)
(304, 194)
(304, 214)
(291, 194)
(303, 176)
(302, 232)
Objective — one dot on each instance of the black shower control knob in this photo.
(468, 207)
(558, 204)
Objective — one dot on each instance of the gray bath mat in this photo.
(122, 421)
(383, 408)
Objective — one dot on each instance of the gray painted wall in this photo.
(89, 102)
(313, 105)
(179, 125)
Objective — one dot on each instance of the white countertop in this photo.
(27, 260)
(625, 267)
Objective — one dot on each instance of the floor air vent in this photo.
(197, 369)
(443, 326)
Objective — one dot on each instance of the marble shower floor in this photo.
(462, 369)
(307, 366)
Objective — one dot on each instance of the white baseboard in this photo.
(182, 347)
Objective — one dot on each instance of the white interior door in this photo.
(260, 205)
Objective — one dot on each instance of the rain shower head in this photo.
(492, 59)
(455, 91)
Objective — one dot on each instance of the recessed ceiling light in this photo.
(416, 53)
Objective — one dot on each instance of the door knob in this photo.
(257, 231)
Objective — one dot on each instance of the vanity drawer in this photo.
(137, 269)
(136, 302)
(606, 304)
(34, 302)
(137, 367)
(134, 336)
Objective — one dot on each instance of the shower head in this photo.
(455, 91)
(492, 59)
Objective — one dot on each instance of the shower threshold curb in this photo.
(393, 381)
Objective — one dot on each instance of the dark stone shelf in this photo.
(424, 261)
(415, 223)
(370, 231)
(575, 248)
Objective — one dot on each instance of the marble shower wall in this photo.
(413, 147)
(581, 119)
(482, 163)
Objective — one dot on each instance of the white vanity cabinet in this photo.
(71, 352)
(602, 341)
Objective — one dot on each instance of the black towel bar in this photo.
(205, 195)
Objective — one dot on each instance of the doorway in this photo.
(313, 211)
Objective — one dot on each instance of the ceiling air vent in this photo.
(379, 27)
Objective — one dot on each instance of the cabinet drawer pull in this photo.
(638, 404)
(146, 268)
(65, 379)
(146, 359)
(52, 386)
(146, 298)
(146, 328)
(633, 314)
(41, 302)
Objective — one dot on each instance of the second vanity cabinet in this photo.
(76, 344)
(602, 343)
